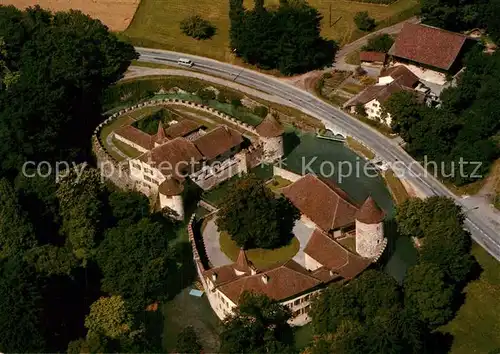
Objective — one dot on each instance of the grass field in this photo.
(156, 23)
(260, 257)
(476, 328)
(398, 191)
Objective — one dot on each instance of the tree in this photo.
(51, 260)
(142, 276)
(360, 109)
(16, 232)
(196, 27)
(109, 316)
(379, 43)
(82, 197)
(206, 94)
(427, 292)
(128, 207)
(258, 325)
(255, 217)
(261, 111)
(415, 216)
(363, 21)
(187, 341)
(287, 38)
(20, 308)
(48, 103)
(405, 113)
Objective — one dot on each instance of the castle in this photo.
(187, 149)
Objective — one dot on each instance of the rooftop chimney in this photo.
(214, 277)
(265, 278)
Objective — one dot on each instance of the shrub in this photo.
(197, 27)
(206, 95)
(261, 111)
(236, 102)
(149, 124)
(380, 43)
(363, 21)
(221, 97)
(360, 109)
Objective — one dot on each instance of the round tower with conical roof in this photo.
(370, 238)
(271, 135)
(170, 192)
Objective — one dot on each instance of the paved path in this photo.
(303, 234)
(212, 245)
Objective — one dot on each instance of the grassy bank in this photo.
(156, 23)
(476, 328)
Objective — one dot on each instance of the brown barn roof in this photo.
(218, 141)
(171, 187)
(136, 136)
(283, 282)
(182, 128)
(428, 45)
(172, 155)
(322, 201)
(372, 56)
(401, 73)
(269, 128)
(370, 213)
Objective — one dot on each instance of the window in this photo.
(147, 178)
(136, 166)
(296, 302)
(155, 181)
(147, 170)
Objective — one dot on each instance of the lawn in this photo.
(156, 23)
(277, 183)
(359, 148)
(476, 328)
(261, 258)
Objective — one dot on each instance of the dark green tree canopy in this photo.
(287, 38)
(196, 27)
(52, 108)
(258, 325)
(428, 294)
(379, 43)
(187, 341)
(363, 21)
(255, 217)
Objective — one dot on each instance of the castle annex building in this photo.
(188, 150)
(334, 218)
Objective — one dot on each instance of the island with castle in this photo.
(187, 151)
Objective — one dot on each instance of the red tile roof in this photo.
(283, 282)
(242, 264)
(172, 156)
(269, 128)
(372, 56)
(381, 93)
(322, 201)
(182, 128)
(401, 73)
(428, 45)
(370, 213)
(331, 255)
(171, 187)
(218, 141)
(136, 136)
(160, 134)
(326, 251)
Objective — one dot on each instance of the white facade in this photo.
(147, 178)
(273, 148)
(374, 112)
(369, 239)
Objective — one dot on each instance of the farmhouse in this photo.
(372, 58)
(393, 79)
(187, 150)
(334, 218)
(430, 53)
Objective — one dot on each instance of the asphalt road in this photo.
(481, 221)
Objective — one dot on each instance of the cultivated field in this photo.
(116, 14)
(156, 23)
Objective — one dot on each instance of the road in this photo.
(480, 222)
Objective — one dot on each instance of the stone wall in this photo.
(110, 169)
(288, 175)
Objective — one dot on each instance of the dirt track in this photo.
(116, 14)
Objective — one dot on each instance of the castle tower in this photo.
(170, 192)
(369, 229)
(271, 136)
